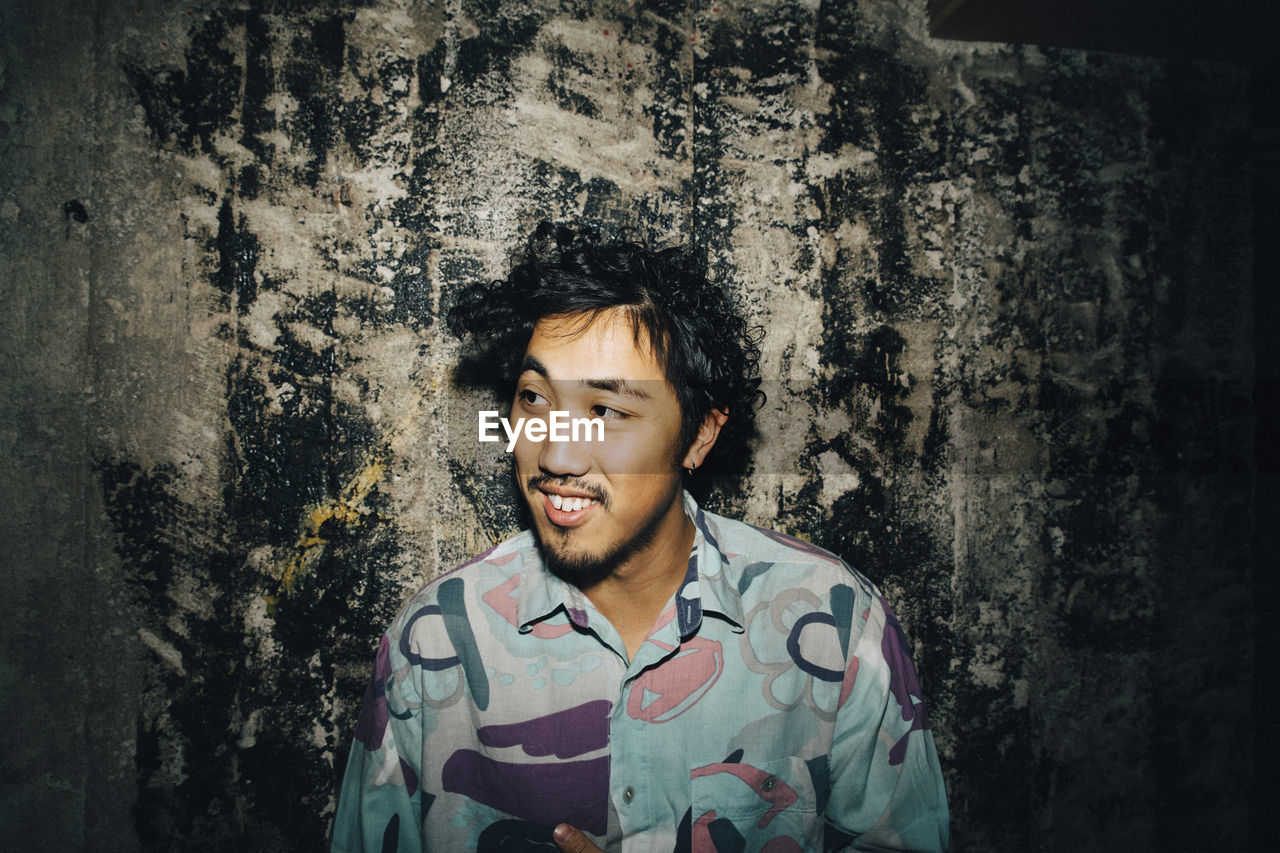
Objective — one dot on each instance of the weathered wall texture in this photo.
(1008, 301)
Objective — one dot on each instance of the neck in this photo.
(633, 594)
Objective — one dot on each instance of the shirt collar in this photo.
(705, 587)
(715, 593)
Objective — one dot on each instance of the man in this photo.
(635, 673)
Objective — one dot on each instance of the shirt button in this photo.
(628, 795)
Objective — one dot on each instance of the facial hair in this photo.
(581, 568)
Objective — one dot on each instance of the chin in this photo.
(576, 564)
(573, 564)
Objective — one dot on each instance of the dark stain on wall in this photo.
(310, 76)
(258, 615)
(237, 259)
(185, 784)
(256, 117)
(187, 106)
(501, 32)
(871, 111)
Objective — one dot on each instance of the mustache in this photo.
(600, 495)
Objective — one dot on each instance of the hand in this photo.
(571, 840)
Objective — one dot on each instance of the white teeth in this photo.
(565, 504)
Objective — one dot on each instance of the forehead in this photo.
(606, 345)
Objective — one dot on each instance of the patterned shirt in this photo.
(772, 708)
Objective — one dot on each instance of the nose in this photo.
(567, 458)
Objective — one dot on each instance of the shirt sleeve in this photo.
(380, 804)
(887, 791)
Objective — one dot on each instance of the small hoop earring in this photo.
(690, 470)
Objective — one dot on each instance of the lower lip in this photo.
(561, 518)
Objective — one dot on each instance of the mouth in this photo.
(567, 510)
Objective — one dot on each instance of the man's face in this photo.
(629, 484)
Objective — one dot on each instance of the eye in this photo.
(606, 413)
(532, 398)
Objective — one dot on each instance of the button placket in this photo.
(631, 750)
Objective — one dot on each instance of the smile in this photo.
(567, 510)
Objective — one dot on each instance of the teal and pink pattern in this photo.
(773, 708)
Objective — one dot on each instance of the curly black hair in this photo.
(710, 356)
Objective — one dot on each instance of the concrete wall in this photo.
(1008, 295)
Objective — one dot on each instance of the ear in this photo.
(706, 438)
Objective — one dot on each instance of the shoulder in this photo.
(763, 564)
(451, 591)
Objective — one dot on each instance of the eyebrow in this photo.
(613, 386)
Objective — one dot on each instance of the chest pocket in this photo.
(743, 807)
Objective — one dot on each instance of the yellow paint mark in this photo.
(347, 508)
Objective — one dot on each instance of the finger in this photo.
(571, 840)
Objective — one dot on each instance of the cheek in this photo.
(525, 458)
(615, 456)
(638, 453)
